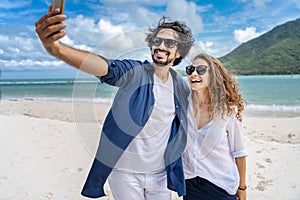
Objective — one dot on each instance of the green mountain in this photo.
(275, 52)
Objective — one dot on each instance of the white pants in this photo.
(137, 186)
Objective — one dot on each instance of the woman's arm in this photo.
(241, 165)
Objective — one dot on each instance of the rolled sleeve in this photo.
(119, 72)
(239, 154)
(236, 137)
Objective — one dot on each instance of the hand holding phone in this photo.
(58, 4)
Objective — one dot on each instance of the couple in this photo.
(161, 135)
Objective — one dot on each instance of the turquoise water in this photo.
(56, 89)
(271, 90)
(271, 95)
(275, 96)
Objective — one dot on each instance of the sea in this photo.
(266, 96)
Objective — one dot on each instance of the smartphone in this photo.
(58, 4)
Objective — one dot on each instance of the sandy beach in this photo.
(47, 149)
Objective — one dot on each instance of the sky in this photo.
(116, 29)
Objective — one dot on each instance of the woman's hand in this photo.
(241, 194)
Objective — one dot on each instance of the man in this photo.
(144, 132)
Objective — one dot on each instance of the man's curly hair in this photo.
(185, 40)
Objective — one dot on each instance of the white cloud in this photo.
(123, 44)
(107, 28)
(66, 40)
(18, 47)
(8, 4)
(13, 50)
(208, 44)
(208, 47)
(107, 37)
(143, 16)
(22, 50)
(187, 12)
(245, 35)
(103, 37)
(257, 3)
(29, 64)
(4, 38)
(130, 13)
(214, 46)
(85, 30)
(261, 3)
(205, 8)
(129, 3)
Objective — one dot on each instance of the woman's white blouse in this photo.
(211, 151)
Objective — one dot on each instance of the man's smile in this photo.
(161, 53)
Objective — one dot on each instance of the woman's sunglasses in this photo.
(200, 69)
(169, 43)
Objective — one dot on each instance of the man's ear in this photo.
(177, 55)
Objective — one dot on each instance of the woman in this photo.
(215, 157)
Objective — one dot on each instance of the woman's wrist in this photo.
(242, 187)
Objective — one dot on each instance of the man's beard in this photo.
(162, 63)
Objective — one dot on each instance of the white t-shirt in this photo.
(211, 151)
(145, 154)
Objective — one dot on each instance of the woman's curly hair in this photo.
(223, 89)
(185, 40)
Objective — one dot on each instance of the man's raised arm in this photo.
(49, 29)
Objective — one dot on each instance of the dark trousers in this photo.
(201, 189)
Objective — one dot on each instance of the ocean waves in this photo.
(276, 111)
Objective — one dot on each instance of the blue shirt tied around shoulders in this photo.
(129, 113)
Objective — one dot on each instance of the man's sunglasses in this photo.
(169, 43)
(200, 69)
